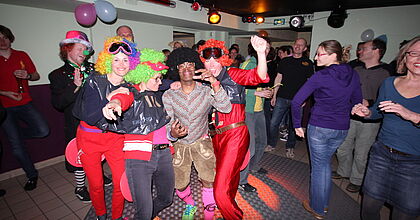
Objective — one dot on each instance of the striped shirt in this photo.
(192, 109)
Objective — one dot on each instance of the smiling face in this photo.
(213, 66)
(299, 47)
(412, 59)
(75, 55)
(126, 33)
(120, 64)
(153, 83)
(186, 71)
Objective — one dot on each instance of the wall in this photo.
(39, 31)
(398, 23)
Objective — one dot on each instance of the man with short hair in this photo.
(362, 133)
(126, 32)
(17, 69)
(292, 74)
(191, 105)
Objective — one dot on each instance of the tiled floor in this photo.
(54, 197)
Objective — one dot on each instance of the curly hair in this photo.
(182, 55)
(224, 60)
(151, 64)
(104, 62)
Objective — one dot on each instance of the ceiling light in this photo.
(260, 20)
(337, 17)
(214, 17)
(297, 22)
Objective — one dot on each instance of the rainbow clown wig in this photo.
(112, 46)
(151, 64)
(224, 59)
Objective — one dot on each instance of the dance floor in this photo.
(279, 195)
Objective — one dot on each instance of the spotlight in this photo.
(337, 17)
(296, 22)
(260, 20)
(214, 17)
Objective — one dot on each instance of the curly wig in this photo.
(104, 62)
(182, 55)
(151, 64)
(224, 59)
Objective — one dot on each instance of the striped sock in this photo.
(80, 178)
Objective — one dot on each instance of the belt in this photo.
(91, 130)
(231, 126)
(392, 150)
(160, 146)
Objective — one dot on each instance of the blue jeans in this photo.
(35, 127)
(322, 144)
(281, 110)
(393, 178)
(141, 174)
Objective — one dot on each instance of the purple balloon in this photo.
(85, 14)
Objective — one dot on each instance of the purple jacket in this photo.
(336, 89)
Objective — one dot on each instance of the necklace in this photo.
(85, 69)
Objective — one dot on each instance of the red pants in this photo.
(94, 145)
(230, 149)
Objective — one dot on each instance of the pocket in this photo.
(178, 156)
(205, 148)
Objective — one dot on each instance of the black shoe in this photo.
(82, 193)
(2, 192)
(31, 183)
(102, 217)
(107, 181)
(247, 187)
(353, 188)
(262, 171)
(337, 176)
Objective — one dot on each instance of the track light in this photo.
(297, 22)
(337, 17)
(253, 19)
(260, 19)
(214, 16)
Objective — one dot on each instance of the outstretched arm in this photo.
(260, 45)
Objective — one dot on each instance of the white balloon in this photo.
(367, 35)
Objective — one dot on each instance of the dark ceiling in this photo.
(271, 8)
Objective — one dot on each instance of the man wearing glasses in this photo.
(190, 105)
(232, 138)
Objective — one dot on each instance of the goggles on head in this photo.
(210, 52)
(116, 47)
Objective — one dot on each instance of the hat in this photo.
(77, 37)
(172, 43)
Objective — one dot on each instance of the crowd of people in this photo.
(153, 114)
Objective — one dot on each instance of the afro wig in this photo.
(104, 62)
(182, 55)
(151, 64)
(224, 60)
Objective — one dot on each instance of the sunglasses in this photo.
(210, 52)
(120, 46)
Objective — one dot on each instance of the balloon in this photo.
(125, 188)
(85, 14)
(367, 35)
(262, 33)
(106, 11)
(73, 154)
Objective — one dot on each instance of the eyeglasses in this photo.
(116, 47)
(321, 54)
(210, 52)
(413, 53)
(186, 65)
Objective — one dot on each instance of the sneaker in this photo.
(290, 153)
(31, 183)
(247, 187)
(283, 137)
(82, 193)
(353, 188)
(269, 148)
(189, 212)
(107, 181)
(262, 171)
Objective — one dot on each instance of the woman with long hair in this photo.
(393, 170)
(335, 89)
